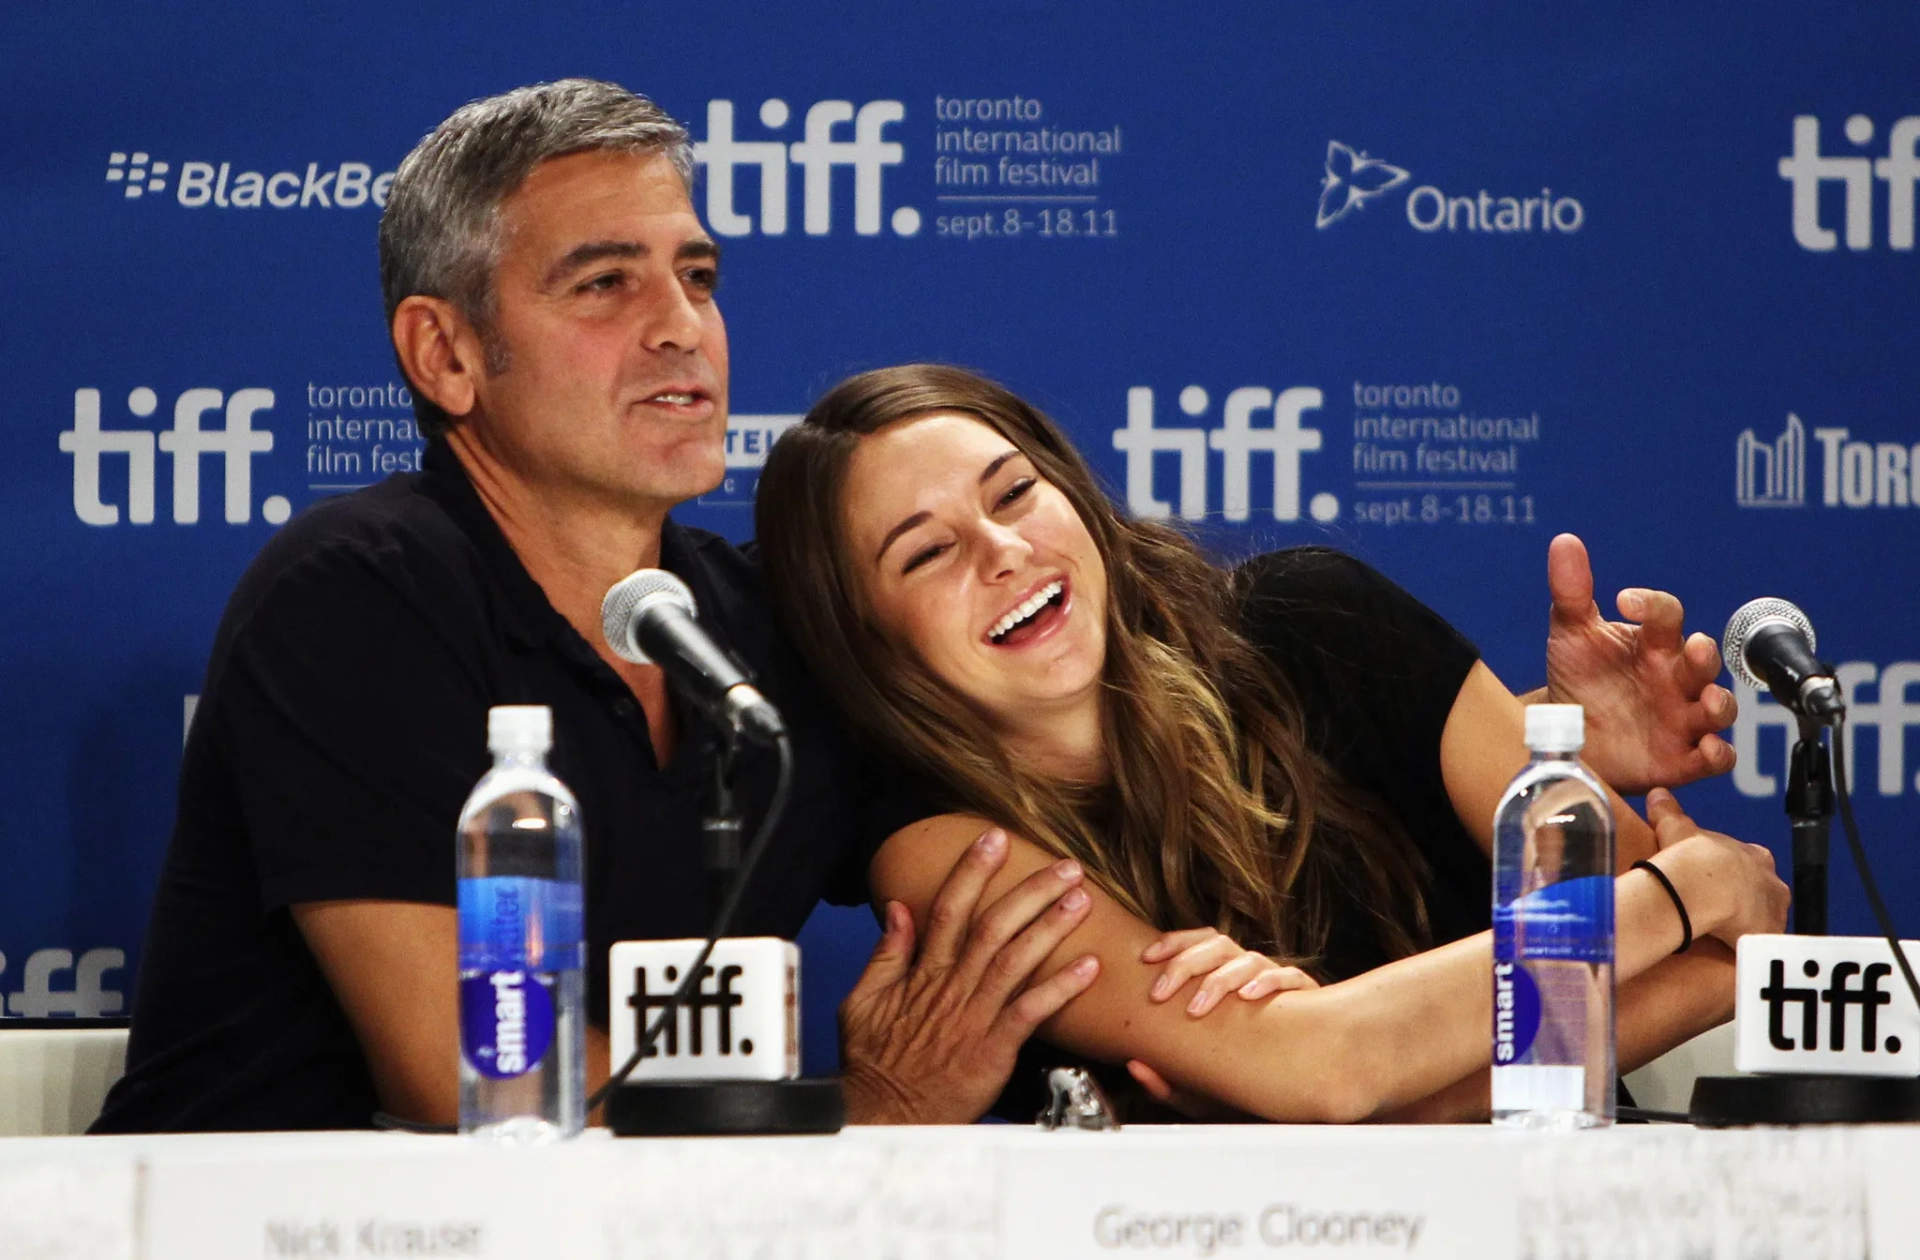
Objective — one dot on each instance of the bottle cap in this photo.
(519, 728)
(1556, 727)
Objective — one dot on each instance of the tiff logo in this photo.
(1838, 995)
(87, 998)
(1807, 168)
(1772, 475)
(237, 442)
(868, 153)
(722, 1000)
(1890, 714)
(1285, 440)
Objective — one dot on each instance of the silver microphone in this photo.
(1769, 645)
(649, 617)
(634, 597)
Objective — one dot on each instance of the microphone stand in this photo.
(1809, 806)
(720, 829)
(1811, 1098)
(723, 1106)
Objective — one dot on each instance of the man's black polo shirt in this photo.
(343, 723)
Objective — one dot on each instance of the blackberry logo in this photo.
(321, 185)
(136, 174)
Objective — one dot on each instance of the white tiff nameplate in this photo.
(1825, 1004)
(741, 1022)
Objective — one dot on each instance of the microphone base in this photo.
(726, 1108)
(1726, 1102)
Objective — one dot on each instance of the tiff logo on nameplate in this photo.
(741, 1022)
(1824, 1004)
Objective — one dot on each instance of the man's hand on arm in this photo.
(1652, 706)
(932, 1038)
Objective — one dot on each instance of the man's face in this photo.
(615, 388)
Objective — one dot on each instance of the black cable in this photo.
(1860, 860)
(722, 920)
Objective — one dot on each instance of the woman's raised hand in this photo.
(1225, 966)
(1729, 887)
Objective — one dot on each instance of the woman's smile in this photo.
(1033, 618)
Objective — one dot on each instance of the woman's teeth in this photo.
(1028, 607)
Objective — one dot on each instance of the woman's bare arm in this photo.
(1296, 1056)
(1340, 1053)
(1485, 744)
(1483, 747)
(1673, 1002)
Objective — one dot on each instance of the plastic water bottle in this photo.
(1553, 1036)
(522, 989)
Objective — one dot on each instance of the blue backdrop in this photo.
(1431, 283)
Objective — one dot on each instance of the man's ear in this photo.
(439, 350)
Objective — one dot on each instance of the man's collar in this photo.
(528, 616)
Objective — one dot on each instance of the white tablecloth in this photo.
(985, 1191)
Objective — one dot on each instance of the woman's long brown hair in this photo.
(1217, 811)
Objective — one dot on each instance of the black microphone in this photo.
(649, 619)
(1769, 643)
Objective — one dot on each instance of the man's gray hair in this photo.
(440, 232)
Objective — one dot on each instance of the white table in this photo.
(984, 1191)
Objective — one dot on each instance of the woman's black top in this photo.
(1376, 673)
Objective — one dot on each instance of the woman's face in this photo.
(979, 566)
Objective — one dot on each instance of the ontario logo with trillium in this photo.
(1352, 178)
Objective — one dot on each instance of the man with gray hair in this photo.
(550, 295)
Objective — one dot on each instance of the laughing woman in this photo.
(1296, 754)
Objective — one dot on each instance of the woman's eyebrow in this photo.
(918, 518)
(987, 474)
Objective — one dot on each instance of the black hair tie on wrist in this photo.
(1686, 924)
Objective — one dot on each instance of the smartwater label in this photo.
(1516, 1012)
(506, 1021)
(516, 923)
(1570, 921)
